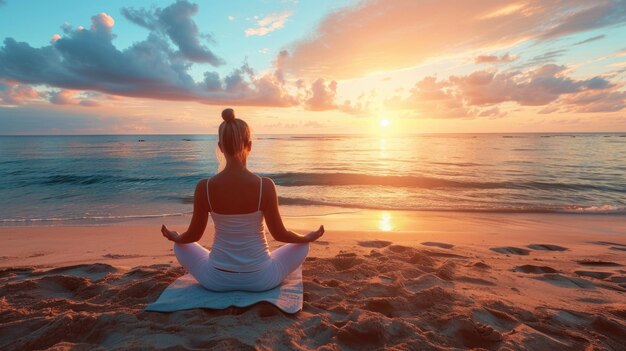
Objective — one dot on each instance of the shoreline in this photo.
(139, 241)
(301, 211)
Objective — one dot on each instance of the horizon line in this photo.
(322, 134)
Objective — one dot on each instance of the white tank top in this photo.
(240, 244)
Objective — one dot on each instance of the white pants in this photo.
(285, 260)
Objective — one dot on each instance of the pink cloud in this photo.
(322, 96)
(596, 101)
(13, 93)
(70, 97)
(479, 94)
(102, 22)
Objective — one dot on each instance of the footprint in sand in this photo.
(510, 250)
(499, 320)
(613, 246)
(547, 247)
(343, 261)
(598, 263)
(437, 244)
(566, 282)
(618, 280)
(472, 334)
(120, 256)
(594, 274)
(608, 243)
(481, 265)
(528, 268)
(374, 243)
(592, 300)
(383, 305)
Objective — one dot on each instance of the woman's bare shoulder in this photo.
(269, 188)
(202, 183)
(267, 181)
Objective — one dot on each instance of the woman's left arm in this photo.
(199, 218)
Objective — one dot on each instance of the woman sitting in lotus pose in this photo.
(238, 201)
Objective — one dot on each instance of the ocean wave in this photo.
(296, 201)
(295, 179)
(565, 209)
(338, 179)
(289, 201)
(90, 218)
(90, 179)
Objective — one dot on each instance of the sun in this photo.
(384, 123)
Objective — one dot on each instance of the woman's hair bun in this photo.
(228, 114)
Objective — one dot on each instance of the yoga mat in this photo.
(186, 293)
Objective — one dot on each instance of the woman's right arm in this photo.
(274, 221)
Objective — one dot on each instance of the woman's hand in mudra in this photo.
(171, 235)
(312, 236)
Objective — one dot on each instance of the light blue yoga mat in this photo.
(186, 293)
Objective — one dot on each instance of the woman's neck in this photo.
(235, 164)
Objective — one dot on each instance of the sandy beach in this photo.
(376, 280)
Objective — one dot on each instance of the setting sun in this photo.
(384, 123)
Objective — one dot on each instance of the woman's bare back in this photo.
(236, 192)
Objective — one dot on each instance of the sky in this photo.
(312, 66)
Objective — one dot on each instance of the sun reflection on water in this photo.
(385, 223)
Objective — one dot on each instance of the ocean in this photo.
(54, 179)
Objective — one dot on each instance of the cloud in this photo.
(62, 97)
(12, 93)
(578, 16)
(432, 98)
(478, 94)
(379, 35)
(546, 57)
(175, 21)
(495, 59)
(595, 101)
(69, 97)
(86, 59)
(102, 22)
(322, 96)
(269, 24)
(589, 40)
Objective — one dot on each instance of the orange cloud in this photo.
(322, 96)
(382, 35)
(494, 58)
(480, 93)
(12, 93)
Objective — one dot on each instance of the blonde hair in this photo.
(234, 135)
